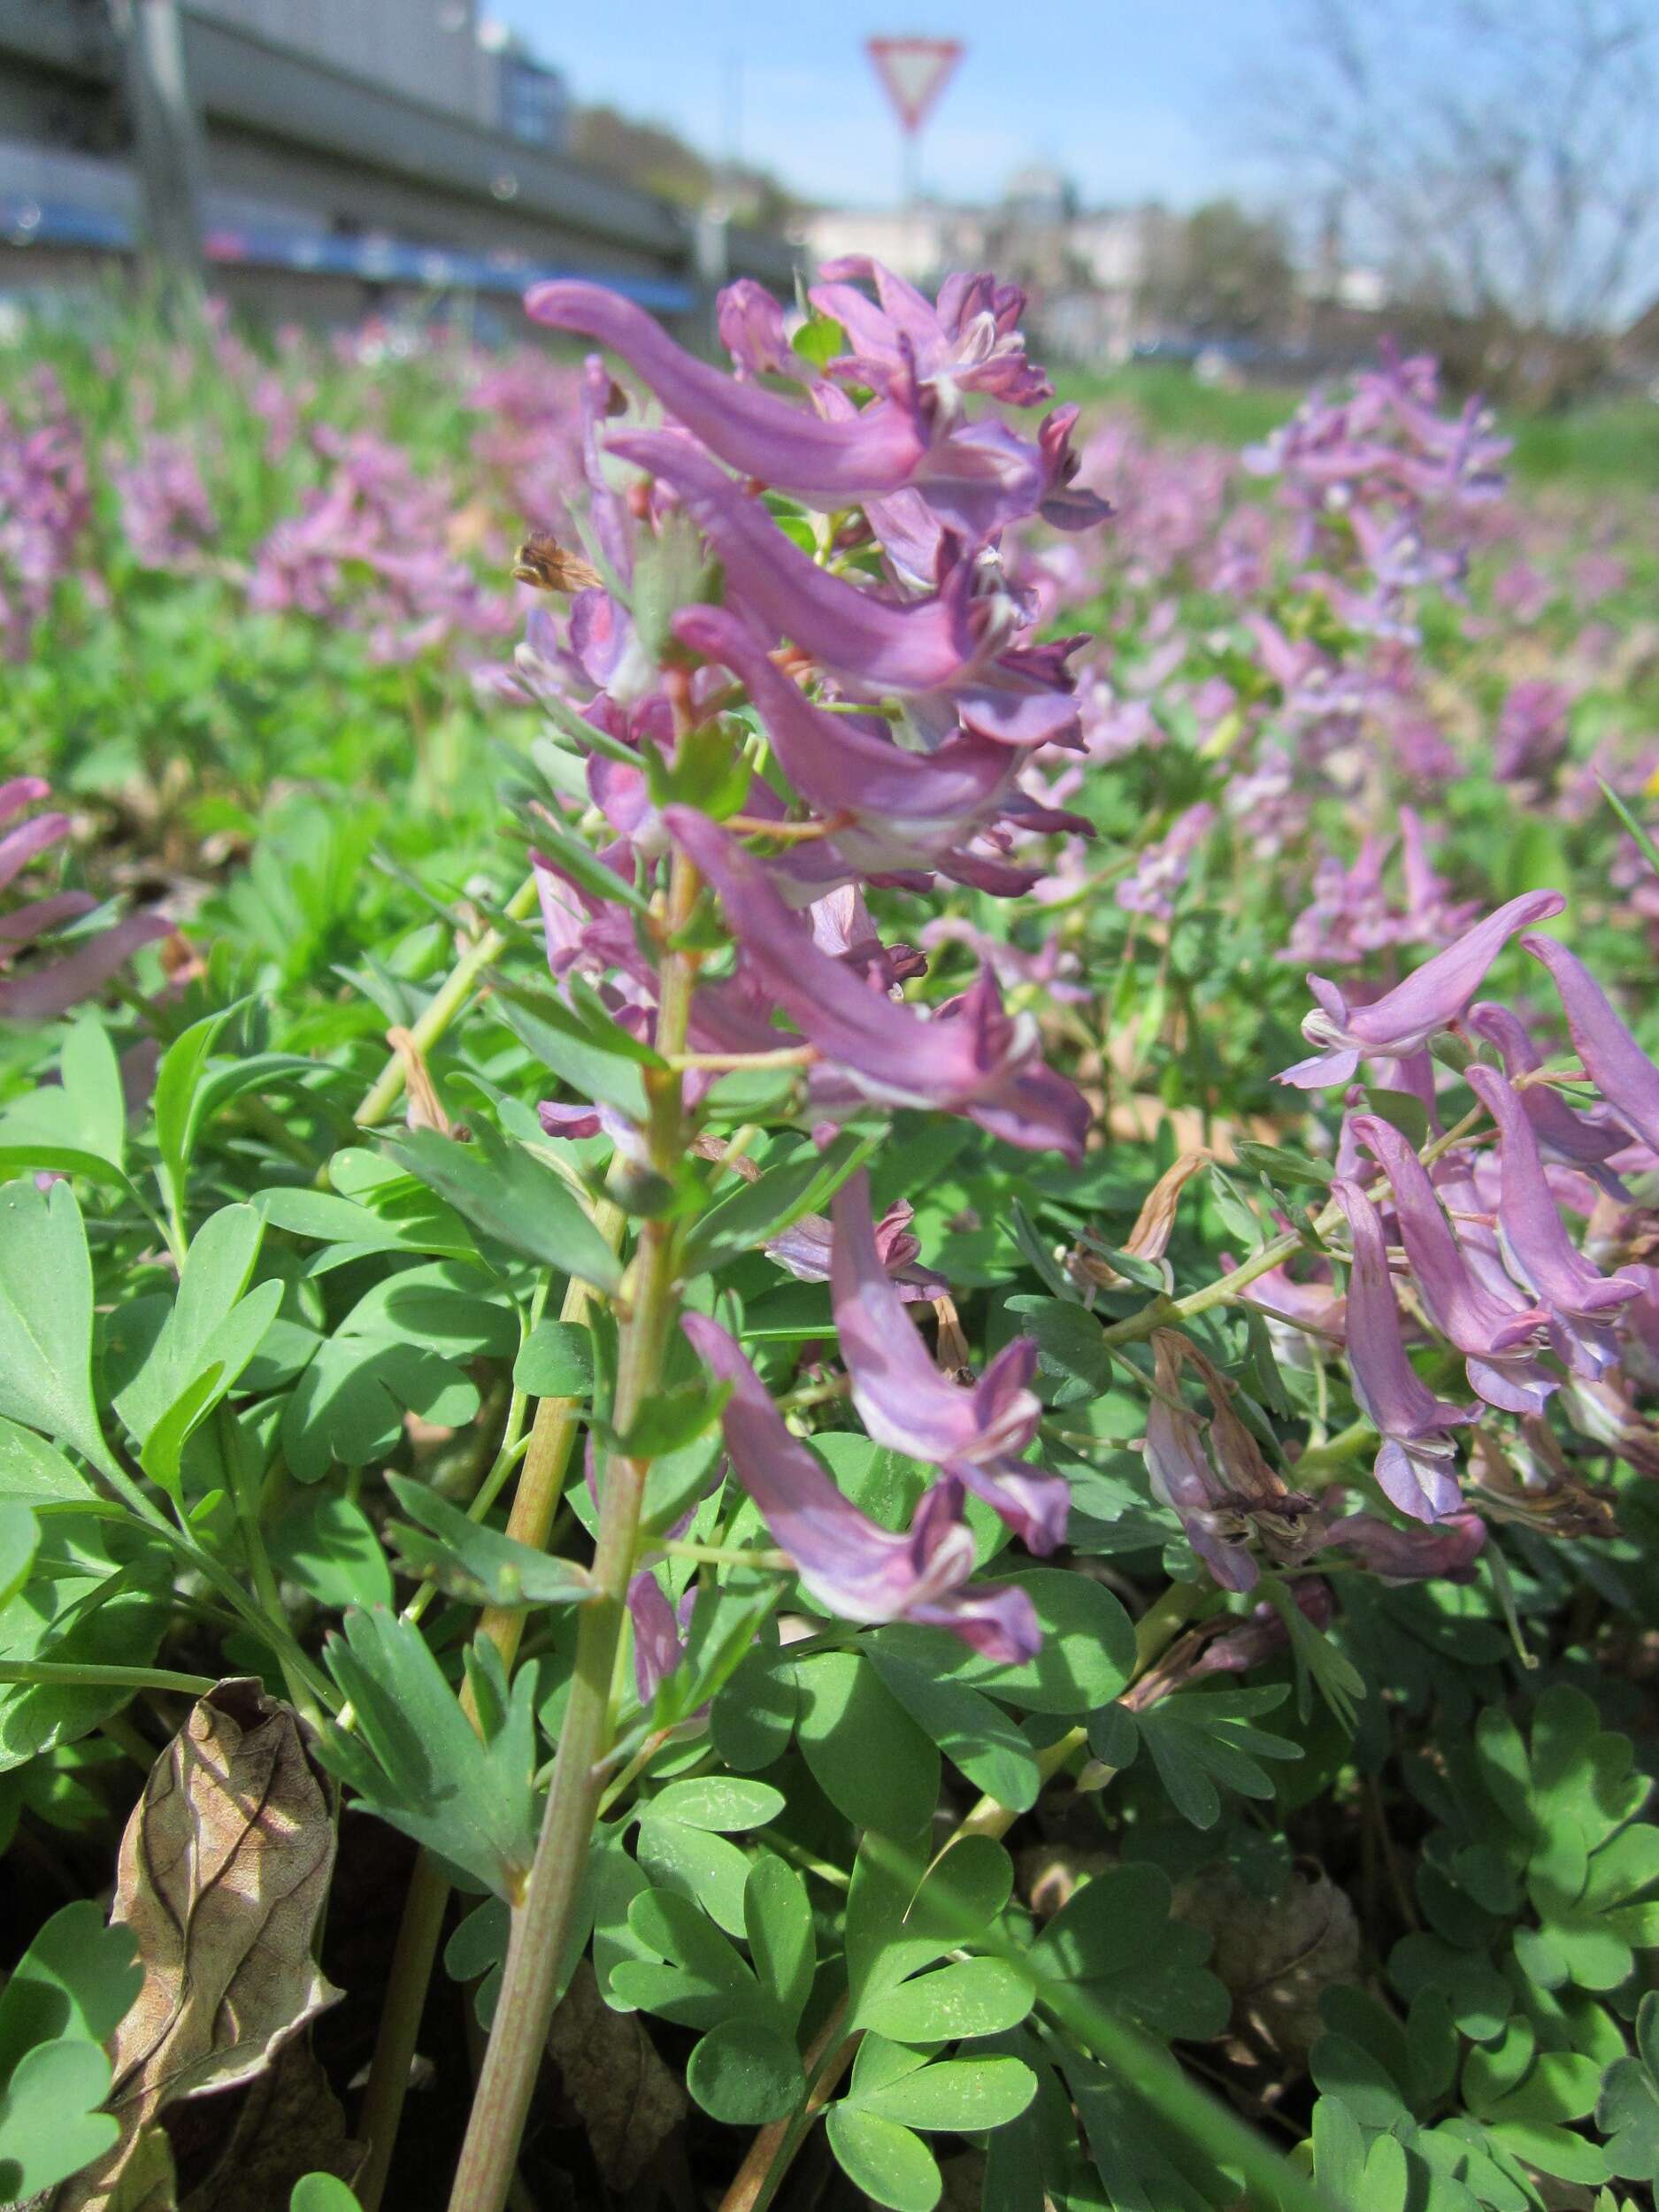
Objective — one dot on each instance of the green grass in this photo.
(1612, 442)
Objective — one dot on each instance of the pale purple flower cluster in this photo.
(1479, 1240)
(166, 511)
(1163, 867)
(368, 550)
(44, 509)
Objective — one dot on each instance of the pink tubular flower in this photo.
(1415, 1465)
(976, 1435)
(954, 651)
(805, 1249)
(1572, 1139)
(1535, 1243)
(45, 988)
(892, 808)
(1430, 1000)
(846, 1562)
(976, 476)
(751, 327)
(970, 1058)
(1615, 1063)
(1447, 1552)
(1486, 1327)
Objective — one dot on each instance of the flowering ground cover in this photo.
(828, 1313)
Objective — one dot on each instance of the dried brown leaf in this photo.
(289, 2124)
(628, 2100)
(1276, 1957)
(223, 1874)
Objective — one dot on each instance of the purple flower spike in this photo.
(1486, 1327)
(1430, 1000)
(1572, 1139)
(1535, 1242)
(977, 1435)
(847, 1562)
(1415, 1465)
(952, 655)
(1615, 1064)
(971, 1059)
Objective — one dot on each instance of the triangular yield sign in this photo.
(915, 72)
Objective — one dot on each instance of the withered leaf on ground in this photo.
(1276, 1956)
(223, 1875)
(628, 2100)
(289, 2122)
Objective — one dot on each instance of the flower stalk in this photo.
(546, 1911)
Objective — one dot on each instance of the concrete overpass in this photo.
(325, 193)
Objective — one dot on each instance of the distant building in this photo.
(1083, 269)
(427, 49)
(532, 99)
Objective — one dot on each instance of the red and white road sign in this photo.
(915, 72)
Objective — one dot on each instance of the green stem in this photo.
(451, 997)
(540, 1486)
(546, 1912)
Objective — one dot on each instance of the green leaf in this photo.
(476, 1562)
(700, 1981)
(963, 2095)
(36, 1473)
(350, 1402)
(586, 870)
(1070, 1355)
(51, 2121)
(437, 1229)
(695, 1864)
(328, 1546)
(865, 1754)
(212, 1327)
(744, 2074)
(174, 1102)
(1200, 1739)
(1627, 2110)
(556, 1361)
(754, 1716)
(582, 1054)
(892, 2166)
(975, 1735)
(20, 1541)
(1282, 1167)
(91, 1075)
(76, 1980)
(504, 1190)
(416, 1759)
(715, 1801)
(321, 2193)
(778, 1928)
(973, 1997)
(46, 1317)
(1404, 1110)
(1115, 1937)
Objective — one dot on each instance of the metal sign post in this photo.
(914, 71)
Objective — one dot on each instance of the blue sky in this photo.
(1128, 96)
